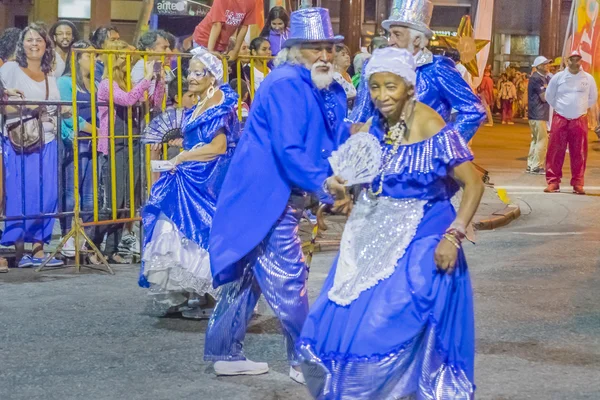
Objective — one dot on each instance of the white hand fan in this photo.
(358, 160)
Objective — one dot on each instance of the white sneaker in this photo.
(297, 376)
(244, 367)
(68, 250)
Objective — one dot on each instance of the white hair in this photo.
(423, 42)
(293, 55)
(288, 55)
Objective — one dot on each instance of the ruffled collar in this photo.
(378, 130)
(230, 100)
(423, 57)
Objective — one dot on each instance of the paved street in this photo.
(67, 336)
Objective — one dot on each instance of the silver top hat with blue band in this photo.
(414, 14)
(311, 25)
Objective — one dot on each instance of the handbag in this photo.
(26, 135)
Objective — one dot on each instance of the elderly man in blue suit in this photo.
(295, 123)
(439, 84)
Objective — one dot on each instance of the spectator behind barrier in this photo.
(84, 62)
(359, 62)
(151, 41)
(188, 100)
(122, 99)
(5, 94)
(378, 42)
(277, 28)
(100, 38)
(31, 172)
(259, 47)
(8, 44)
(243, 57)
(245, 96)
(341, 63)
(64, 34)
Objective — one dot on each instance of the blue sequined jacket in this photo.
(440, 86)
(292, 129)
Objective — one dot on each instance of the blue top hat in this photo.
(311, 25)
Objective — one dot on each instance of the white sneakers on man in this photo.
(243, 367)
(297, 376)
(247, 367)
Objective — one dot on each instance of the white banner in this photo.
(483, 30)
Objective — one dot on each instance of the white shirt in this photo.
(572, 95)
(259, 77)
(59, 65)
(12, 76)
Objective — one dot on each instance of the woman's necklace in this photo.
(394, 138)
(199, 108)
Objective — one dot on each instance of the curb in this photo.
(499, 218)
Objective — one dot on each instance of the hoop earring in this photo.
(210, 92)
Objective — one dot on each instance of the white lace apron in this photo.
(375, 237)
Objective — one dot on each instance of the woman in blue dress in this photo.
(395, 317)
(178, 216)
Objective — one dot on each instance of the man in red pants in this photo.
(571, 93)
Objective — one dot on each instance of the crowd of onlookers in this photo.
(36, 65)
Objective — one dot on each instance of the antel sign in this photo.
(171, 7)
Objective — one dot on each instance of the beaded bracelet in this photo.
(452, 239)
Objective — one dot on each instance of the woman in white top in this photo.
(259, 47)
(341, 63)
(32, 172)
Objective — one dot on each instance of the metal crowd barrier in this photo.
(117, 213)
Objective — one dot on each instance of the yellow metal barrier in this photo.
(78, 225)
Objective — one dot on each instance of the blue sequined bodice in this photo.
(204, 128)
(423, 170)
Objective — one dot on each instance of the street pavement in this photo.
(88, 336)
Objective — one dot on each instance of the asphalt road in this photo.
(88, 336)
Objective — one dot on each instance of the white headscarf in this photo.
(396, 61)
(210, 61)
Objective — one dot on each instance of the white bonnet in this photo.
(396, 61)
(212, 63)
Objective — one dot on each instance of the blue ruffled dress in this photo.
(388, 324)
(178, 216)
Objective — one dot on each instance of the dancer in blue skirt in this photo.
(178, 216)
(395, 317)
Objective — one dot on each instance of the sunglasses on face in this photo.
(197, 74)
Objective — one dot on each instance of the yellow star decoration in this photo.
(467, 46)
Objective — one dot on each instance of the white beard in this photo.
(322, 80)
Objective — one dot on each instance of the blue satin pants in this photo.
(276, 269)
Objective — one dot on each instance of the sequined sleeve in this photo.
(363, 106)
(461, 98)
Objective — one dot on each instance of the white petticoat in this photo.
(173, 263)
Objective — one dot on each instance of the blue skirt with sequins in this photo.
(412, 335)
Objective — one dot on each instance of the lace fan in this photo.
(357, 160)
(164, 127)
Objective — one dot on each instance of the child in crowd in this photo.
(259, 47)
(276, 28)
(188, 99)
(245, 96)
